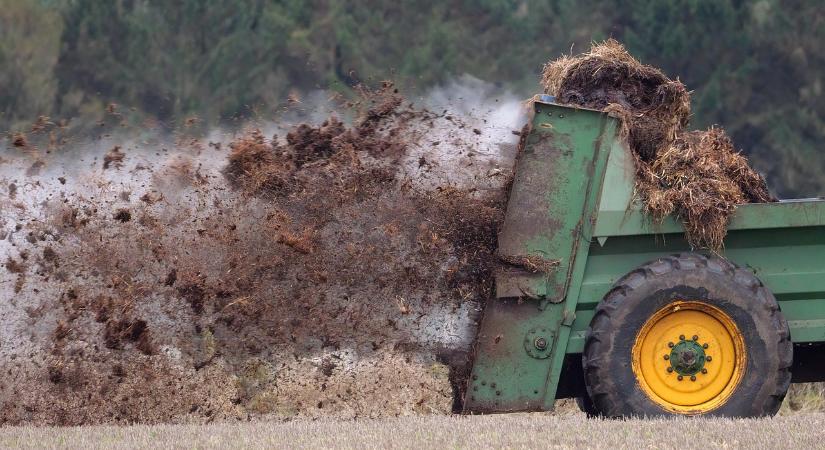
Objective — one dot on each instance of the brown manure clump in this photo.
(653, 107)
(696, 175)
(255, 168)
(270, 167)
(701, 179)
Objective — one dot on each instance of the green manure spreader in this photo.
(602, 304)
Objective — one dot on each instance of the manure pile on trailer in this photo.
(696, 175)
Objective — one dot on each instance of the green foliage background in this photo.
(756, 67)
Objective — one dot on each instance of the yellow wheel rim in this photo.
(689, 357)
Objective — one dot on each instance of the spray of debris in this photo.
(331, 268)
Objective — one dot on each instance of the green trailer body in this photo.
(571, 204)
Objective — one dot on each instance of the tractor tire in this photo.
(688, 335)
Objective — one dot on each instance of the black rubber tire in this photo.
(634, 298)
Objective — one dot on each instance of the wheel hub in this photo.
(687, 358)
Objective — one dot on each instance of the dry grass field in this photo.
(797, 431)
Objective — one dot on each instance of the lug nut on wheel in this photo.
(670, 369)
(680, 378)
(695, 337)
(708, 358)
(704, 370)
(693, 378)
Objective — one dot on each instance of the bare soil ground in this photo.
(799, 431)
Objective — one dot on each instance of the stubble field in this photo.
(499, 431)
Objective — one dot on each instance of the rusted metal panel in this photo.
(545, 212)
(550, 215)
(505, 377)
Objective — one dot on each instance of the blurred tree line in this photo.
(756, 67)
